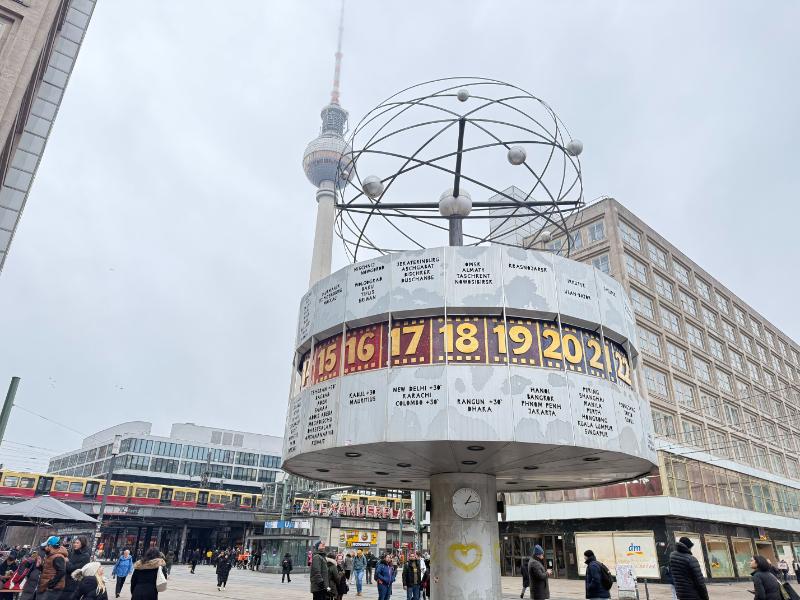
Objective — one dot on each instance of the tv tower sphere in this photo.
(322, 159)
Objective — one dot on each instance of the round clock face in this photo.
(466, 503)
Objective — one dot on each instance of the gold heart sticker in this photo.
(459, 555)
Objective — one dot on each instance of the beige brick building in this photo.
(724, 386)
(39, 43)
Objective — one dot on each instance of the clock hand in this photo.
(468, 500)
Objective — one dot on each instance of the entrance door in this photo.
(202, 498)
(517, 549)
(44, 486)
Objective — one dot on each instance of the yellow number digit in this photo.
(447, 331)
(500, 332)
(522, 336)
(350, 347)
(552, 351)
(366, 347)
(395, 335)
(466, 342)
(330, 358)
(594, 361)
(416, 336)
(573, 349)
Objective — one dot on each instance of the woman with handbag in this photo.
(148, 576)
(767, 586)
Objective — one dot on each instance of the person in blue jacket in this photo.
(122, 569)
(594, 577)
(384, 577)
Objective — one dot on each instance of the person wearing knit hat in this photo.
(538, 575)
(91, 584)
(686, 573)
(318, 575)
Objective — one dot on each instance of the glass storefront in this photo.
(719, 557)
(766, 550)
(742, 552)
(517, 549)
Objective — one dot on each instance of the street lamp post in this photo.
(114, 452)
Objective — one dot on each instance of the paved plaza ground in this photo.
(247, 585)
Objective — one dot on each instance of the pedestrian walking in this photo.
(318, 574)
(538, 575)
(686, 574)
(286, 568)
(54, 567)
(359, 566)
(121, 570)
(169, 559)
(598, 577)
(412, 576)
(77, 558)
(766, 585)
(784, 567)
(426, 580)
(348, 566)
(372, 564)
(384, 576)
(335, 576)
(526, 577)
(223, 570)
(90, 583)
(144, 580)
(194, 559)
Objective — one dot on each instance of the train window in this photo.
(61, 485)
(76, 487)
(190, 496)
(153, 493)
(224, 499)
(141, 492)
(214, 499)
(121, 490)
(246, 501)
(179, 496)
(11, 481)
(27, 482)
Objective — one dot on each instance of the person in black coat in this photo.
(145, 574)
(767, 586)
(686, 573)
(286, 568)
(526, 577)
(223, 570)
(594, 577)
(539, 574)
(77, 559)
(90, 583)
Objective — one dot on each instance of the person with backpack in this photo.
(286, 568)
(538, 575)
(598, 577)
(686, 573)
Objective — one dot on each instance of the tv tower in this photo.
(321, 164)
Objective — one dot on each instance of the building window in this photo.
(601, 263)
(556, 246)
(728, 331)
(703, 289)
(731, 414)
(692, 433)
(695, 336)
(715, 348)
(664, 424)
(684, 394)
(657, 255)
(755, 326)
(762, 353)
(649, 342)
(663, 287)
(642, 304)
(246, 458)
(245, 474)
(636, 269)
(656, 381)
(751, 424)
(688, 303)
(784, 349)
(722, 303)
(709, 318)
(702, 369)
(770, 433)
(630, 236)
(724, 382)
(711, 406)
(760, 457)
(736, 361)
(718, 442)
(747, 343)
(577, 240)
(741, 450)
(739, 314)
(769, 379)
(670, 321)
(596, 231)
(677, 356)
(681, 272)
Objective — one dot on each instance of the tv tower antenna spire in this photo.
(324, 167)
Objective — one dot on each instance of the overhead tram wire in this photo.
(50, 420)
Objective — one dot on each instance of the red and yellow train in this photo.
(15, 484)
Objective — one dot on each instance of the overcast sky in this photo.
(166, 240)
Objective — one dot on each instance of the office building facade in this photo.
(39, 43)
(724, 386)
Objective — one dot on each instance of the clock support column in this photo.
(465, 552)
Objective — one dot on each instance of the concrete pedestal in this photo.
(465, 553)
